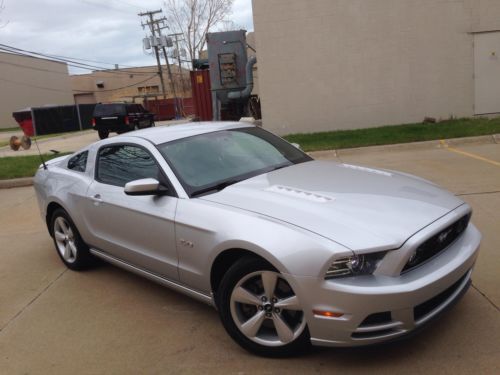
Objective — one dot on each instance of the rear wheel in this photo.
(103, 133)
(69, 245)
(260, 310)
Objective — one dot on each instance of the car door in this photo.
(138, 230)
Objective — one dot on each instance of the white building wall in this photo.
(345, 64)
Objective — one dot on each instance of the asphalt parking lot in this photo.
(109, 321)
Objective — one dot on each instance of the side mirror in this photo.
(296, 145)
(145, 186)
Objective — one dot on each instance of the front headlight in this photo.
(355, 265)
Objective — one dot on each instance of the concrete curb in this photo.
(16, 182)
(482, 139)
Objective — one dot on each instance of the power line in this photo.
(94, 61)
(59, 72)
(123, 87)
(33, 68)
(68, 61)
(129, 4)
(68, 91)
(104, 6)
(34, 86)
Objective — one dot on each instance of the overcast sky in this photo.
(107, 31)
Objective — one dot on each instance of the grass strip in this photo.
(13, 129)
(22, 166)
(455, 128)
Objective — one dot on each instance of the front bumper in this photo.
(379, 307)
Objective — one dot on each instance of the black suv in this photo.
(120, 118)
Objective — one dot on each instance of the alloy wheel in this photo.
(65, 239)
(266, 310)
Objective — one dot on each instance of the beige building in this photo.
(345, 64)
(127, 84)
(31, 82)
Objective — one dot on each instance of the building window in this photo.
(148, 90)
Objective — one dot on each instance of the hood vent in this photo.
(302, 194)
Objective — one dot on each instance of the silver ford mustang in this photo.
(291, 251)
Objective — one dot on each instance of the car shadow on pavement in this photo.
(400, 350)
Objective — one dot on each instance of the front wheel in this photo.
(260, 310)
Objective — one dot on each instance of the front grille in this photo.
(430, 305)
(437, 243)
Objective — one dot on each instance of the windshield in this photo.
(209, 162)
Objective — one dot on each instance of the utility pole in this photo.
(151, 24)
(172, 83)
(177, 40)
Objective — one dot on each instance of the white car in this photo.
(291, 251)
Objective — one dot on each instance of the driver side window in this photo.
(119, 164)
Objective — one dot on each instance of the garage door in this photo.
(85, 99)
(487, 72)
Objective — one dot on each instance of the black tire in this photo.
(79, 256)
(241, 270)
(103, 133)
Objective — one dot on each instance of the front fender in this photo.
(213, 228)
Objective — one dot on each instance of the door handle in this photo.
(96, 198)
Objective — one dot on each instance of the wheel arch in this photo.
(225, 259)
(51, 207)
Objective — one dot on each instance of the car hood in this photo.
(361, 208)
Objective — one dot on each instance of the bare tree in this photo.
(228, 25)
(194, 19)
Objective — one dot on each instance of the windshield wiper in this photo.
(217, 187)
(279, 167)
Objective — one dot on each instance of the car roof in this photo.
(163, 134)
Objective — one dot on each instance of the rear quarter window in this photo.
(78, 162)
